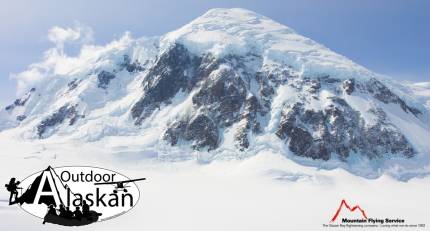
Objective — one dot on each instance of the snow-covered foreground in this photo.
(263, 192)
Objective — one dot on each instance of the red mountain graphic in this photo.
(344, 204)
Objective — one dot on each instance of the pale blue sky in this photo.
(387, 36)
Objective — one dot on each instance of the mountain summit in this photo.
(231, 83)
(241, 32)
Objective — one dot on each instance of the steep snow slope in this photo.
(90, 84)
(222, 32)
(230, 84)
(422, 91)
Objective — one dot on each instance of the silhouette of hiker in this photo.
(85, 209)
(12, 187)
(77, 213)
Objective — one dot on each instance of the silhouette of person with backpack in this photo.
(12, 187)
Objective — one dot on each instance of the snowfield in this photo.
(422, 91)
(263, 192)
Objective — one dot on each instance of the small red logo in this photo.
(344, 204)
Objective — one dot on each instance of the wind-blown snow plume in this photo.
(80, 33)
(56, 63)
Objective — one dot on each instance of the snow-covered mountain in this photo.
(422, 92)
(231, 83)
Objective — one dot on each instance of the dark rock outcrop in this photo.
(63, 113)
(21, 117)
(339, 130)
(349, 86)
(21, 101)
(248, 123)
(201, 130)
(223, 96)
(220, 99)
(104, 78)
(73, 84)
(131, 66)
(385, 95)
(228, 92)
(164, 80)
(300, 140)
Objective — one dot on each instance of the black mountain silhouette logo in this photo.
(57, 187)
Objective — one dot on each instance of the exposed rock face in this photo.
(131, 66)
(224, 98)
(63, 113)
(21, 117)
(382, 93)
(73, 84)
(104, 77)
(228, 93)
(200, 129)
(164, 80)
(349, 86)
(21, 101)
(247, 123)
(339, 130)
(384, 137)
